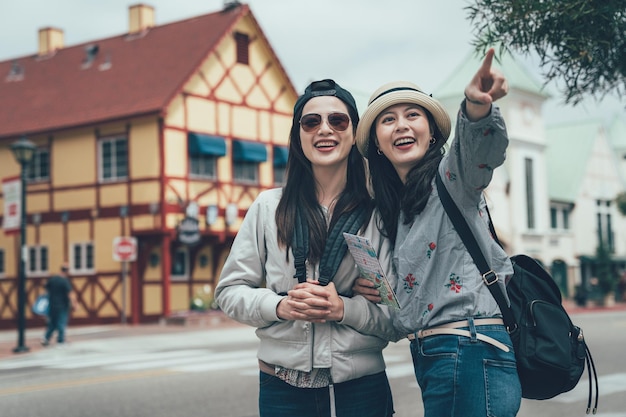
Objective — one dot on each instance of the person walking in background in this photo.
(320, 351)
(462, 353)
(61, 300)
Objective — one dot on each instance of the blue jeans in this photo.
(461, 376)
(369, 396)
(57, 320)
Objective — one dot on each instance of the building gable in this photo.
(108, 79)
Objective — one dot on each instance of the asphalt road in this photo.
(165, 371)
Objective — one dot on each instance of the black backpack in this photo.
(550, 350)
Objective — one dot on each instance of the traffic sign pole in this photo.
(124, 279)
(124, 251)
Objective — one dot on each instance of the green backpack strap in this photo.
(300, 246)
(335, 248)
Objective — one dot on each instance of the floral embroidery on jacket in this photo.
(455, 283)
(409, 283)
(485, 166)
(431, 247)
(450, 175)
(428, 310)
(488, 131)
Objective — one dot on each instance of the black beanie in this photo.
(326, 87)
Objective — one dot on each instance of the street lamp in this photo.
(23, 151)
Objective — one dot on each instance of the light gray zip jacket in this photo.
(257, 271)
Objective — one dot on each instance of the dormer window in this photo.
(91, 51)
(16, 73)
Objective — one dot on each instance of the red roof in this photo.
(146, 72)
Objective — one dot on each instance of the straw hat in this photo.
(395, 93)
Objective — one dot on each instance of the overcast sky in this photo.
(359, 43)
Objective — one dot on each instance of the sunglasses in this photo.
(337, 121)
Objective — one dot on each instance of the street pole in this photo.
(124, 274)
(23, 151)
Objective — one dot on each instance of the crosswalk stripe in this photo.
(250, 361)
(31, 362)
(400, 370)
(608, 384)
(113, 359)
(177, 363)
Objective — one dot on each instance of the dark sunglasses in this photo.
(337, 121)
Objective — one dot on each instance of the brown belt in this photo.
(266, 368)
(454, 328)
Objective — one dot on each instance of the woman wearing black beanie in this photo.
(320, 351)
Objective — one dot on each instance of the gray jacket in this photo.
(257, 271)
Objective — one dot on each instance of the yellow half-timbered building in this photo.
(165, 134)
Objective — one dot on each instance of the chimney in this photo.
(140, 18)
(230, 4)
(50, 39)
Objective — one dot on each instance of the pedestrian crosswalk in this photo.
(183, 360)
(241, 361)
(177, 360)
(157, 354)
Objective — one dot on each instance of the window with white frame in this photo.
(180, 264)
(203, 166)
(559, 216)
(280, 175)
(113, 158)
(246, 159)
(247, 172)
(203, 152)
(39, 166)
(530, 193)
(606, 236)
(2, 266)
(37, 263)
(82, 255)
(281, 154)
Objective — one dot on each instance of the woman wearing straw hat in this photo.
(462, 353)
(320, 351)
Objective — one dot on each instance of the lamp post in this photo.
(23, 151)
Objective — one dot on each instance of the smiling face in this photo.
(324, 146)
(403, 134)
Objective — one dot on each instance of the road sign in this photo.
(124, 248)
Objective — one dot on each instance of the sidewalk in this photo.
(175, 324)
(573, 308)
(77, 334)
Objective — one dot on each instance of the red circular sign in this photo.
(124, 249)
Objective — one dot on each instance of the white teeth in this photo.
(404, 141)
(325, 144)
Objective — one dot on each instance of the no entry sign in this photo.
(124, 248)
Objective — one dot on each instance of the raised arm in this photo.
(487, 86)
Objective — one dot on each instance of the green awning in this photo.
(280, 156)
(200, 144)
(244, 151)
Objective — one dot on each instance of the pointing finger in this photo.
(486, 65)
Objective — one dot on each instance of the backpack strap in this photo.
(334, 249)
(336, 246)
(490, 278)
(300, 246)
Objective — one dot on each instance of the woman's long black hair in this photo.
(300, 191)
(391, 196)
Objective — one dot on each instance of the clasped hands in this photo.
(310, 301)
